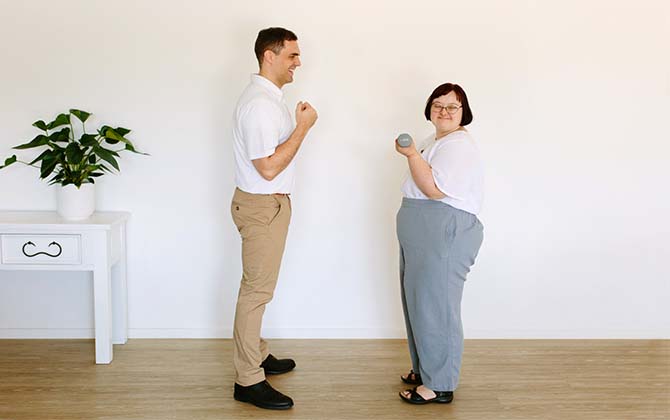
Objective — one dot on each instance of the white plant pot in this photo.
(76, 203)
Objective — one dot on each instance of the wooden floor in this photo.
(335, 379)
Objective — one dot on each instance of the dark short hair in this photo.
(444, 89)
(272, 39)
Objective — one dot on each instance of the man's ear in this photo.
(268, 57)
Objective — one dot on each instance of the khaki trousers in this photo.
(262, 220)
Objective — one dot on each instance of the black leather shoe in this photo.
(263, 395)
(274, 366)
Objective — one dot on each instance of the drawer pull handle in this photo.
(60, 250)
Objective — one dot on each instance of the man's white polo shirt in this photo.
(261, 122)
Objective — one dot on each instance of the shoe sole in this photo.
(426, 402)
(431, 401)
(277, 372)
(261, 405)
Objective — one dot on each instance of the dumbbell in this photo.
(404, 140)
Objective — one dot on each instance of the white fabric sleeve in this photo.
(452, 166)
(261, 128)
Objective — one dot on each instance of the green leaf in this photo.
(38, 141)
(73, 153)
(45, 154)
(47, 167)
(106, 155)
(41, 125)
(113, 135)
(61, 119)
(122, 131)
(81, 115)
(103, 133)
(131, 148)
(60, 176)
(9, 161)
(88, 140)
(56, 148)
(92, 159)
(62, 136)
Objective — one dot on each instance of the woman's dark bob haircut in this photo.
(460, 94)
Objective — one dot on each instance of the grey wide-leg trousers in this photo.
(438, 245)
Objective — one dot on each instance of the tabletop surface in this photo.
(51, 218)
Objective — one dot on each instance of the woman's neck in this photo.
(440, 134)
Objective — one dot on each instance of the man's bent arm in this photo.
(271, 166)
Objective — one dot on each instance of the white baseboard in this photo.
(574, 334)
(38, 333)
(48, 334)
(329, 333)
(315, 333)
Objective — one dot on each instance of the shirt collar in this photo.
(266, 84)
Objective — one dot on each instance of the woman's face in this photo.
(446, 113)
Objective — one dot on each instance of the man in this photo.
(265, 141)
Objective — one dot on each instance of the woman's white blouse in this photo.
(457, 170)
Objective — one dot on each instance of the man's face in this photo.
(284, 64)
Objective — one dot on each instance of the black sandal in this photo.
(412, 378)
(441, 397)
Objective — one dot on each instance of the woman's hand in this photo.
(408, 151)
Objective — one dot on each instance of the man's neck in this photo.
(268, 76)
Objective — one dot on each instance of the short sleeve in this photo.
(453, 165)
(260, 125)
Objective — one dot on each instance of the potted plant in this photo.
(74, 163)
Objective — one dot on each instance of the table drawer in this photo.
(40, 249)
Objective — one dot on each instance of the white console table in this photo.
(45, 241)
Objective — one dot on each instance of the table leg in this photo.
(102, 300)
(120, 295)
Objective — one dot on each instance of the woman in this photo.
(439, 236)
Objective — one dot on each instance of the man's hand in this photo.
(305, 115)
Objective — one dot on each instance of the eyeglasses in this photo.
(450, 108)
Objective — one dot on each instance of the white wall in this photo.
(569, 100)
